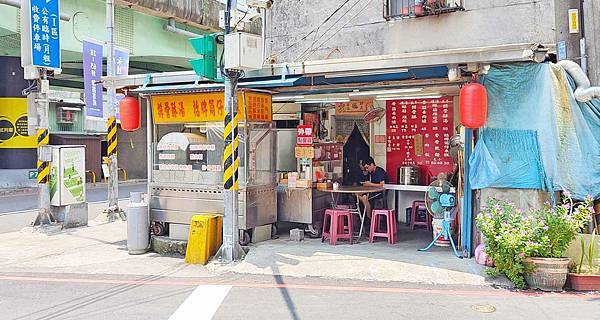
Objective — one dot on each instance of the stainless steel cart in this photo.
(185, 174)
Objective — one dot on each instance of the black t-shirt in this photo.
(378, 176)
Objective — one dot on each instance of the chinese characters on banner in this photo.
(207, 107)
(92, 73)
(353, 108)
(304, 135)
(418, 131)
(45, 33)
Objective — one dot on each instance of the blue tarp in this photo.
(507, 158)
(538, 98)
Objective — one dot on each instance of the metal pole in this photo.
(467, 207)
(113, 181)
(264, 34)
(230, 250)
(582, 44)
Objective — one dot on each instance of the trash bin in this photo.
(204, 238)
(138, 224)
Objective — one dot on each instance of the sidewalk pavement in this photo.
(100, 248)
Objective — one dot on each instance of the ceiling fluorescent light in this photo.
(363, 73)
(323, 100)
(384, 92)
(286, 98)
(384, 98)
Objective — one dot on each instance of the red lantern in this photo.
(129, 110)
(473, 105)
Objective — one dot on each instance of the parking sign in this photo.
(43, 23)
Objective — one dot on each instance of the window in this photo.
(420, 8)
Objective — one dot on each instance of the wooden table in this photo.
(357, 191)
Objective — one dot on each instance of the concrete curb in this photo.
(18, 191)
(33, 190)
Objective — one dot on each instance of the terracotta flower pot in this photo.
(584, 282)
(550, 274)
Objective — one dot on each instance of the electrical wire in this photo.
(326, 31)
(32, 85)
(313, 30)
(237, 23)
(340, 29)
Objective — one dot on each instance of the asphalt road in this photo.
(91, 297)
(25, 202)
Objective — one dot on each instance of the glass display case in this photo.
(186, 172)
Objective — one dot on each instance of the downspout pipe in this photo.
(171, 27)
(17, 4)
(584, 91)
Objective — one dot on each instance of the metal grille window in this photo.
(124, 28)
(420, 8)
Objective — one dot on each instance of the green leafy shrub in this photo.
(512, 234)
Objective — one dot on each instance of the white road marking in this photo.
(202, 303)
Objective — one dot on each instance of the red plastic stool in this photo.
(415, 214)
(335, 230)
(391, 228)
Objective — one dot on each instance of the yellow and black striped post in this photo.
(111, 136)
(231, 159)
(43, 167)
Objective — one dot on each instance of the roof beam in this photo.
(368, 64)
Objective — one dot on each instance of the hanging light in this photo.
(129, 111)
(473, 105)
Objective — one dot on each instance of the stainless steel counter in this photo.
(302, 205)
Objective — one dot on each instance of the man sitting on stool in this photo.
(377, 178)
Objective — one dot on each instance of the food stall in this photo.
(186, 173)
(299, 199)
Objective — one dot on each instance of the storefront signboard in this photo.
(353, 108)
(418, 131)
(13, 125)
(209, 107)
(304, 152)
(304, 135)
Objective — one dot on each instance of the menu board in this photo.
(418, 131)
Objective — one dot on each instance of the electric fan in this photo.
(440, 201)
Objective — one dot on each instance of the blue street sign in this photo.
(45, 33)
(561, 48)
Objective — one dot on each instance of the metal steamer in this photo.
(186, 173)
(408, 175)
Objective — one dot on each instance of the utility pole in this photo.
(230, 250)
(40, 99)
(111, 136)
(40, 52)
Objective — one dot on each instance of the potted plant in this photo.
(554, 228)
(586, 274)
(528, 246)
(506, 234)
